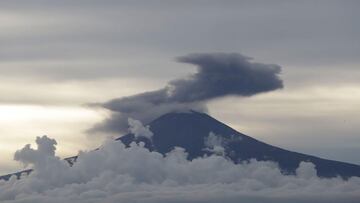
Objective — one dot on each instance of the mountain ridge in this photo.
(189, 129)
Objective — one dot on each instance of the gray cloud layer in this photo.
(218, 75)
(58, 39)
(115, 173)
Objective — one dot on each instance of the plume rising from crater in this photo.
(218, 75)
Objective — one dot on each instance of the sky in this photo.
(59, 58)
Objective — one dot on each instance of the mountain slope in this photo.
(190, 130)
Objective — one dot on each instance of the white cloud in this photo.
(138, 129)
(45, 148)
(214, 144)
(217, 144)
(115, 173)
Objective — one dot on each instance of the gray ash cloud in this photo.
(217, 75)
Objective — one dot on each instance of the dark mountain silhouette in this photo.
(189, 130)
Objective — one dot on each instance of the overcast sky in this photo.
(58, 56)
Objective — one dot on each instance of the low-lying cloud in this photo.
(218, 75)
(115, 173)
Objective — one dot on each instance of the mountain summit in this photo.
(199, 134)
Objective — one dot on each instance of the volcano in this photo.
(190, 130)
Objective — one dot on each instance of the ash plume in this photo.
(217, 75)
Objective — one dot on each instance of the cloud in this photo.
(115, 173)
(221, 74)
(217, 144)
(142, 110)
(48, 167)
(214, 144)
(218, 75)
(138, 129)
(27, 155)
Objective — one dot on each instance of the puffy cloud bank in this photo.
(218, 75)
(118, 174)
